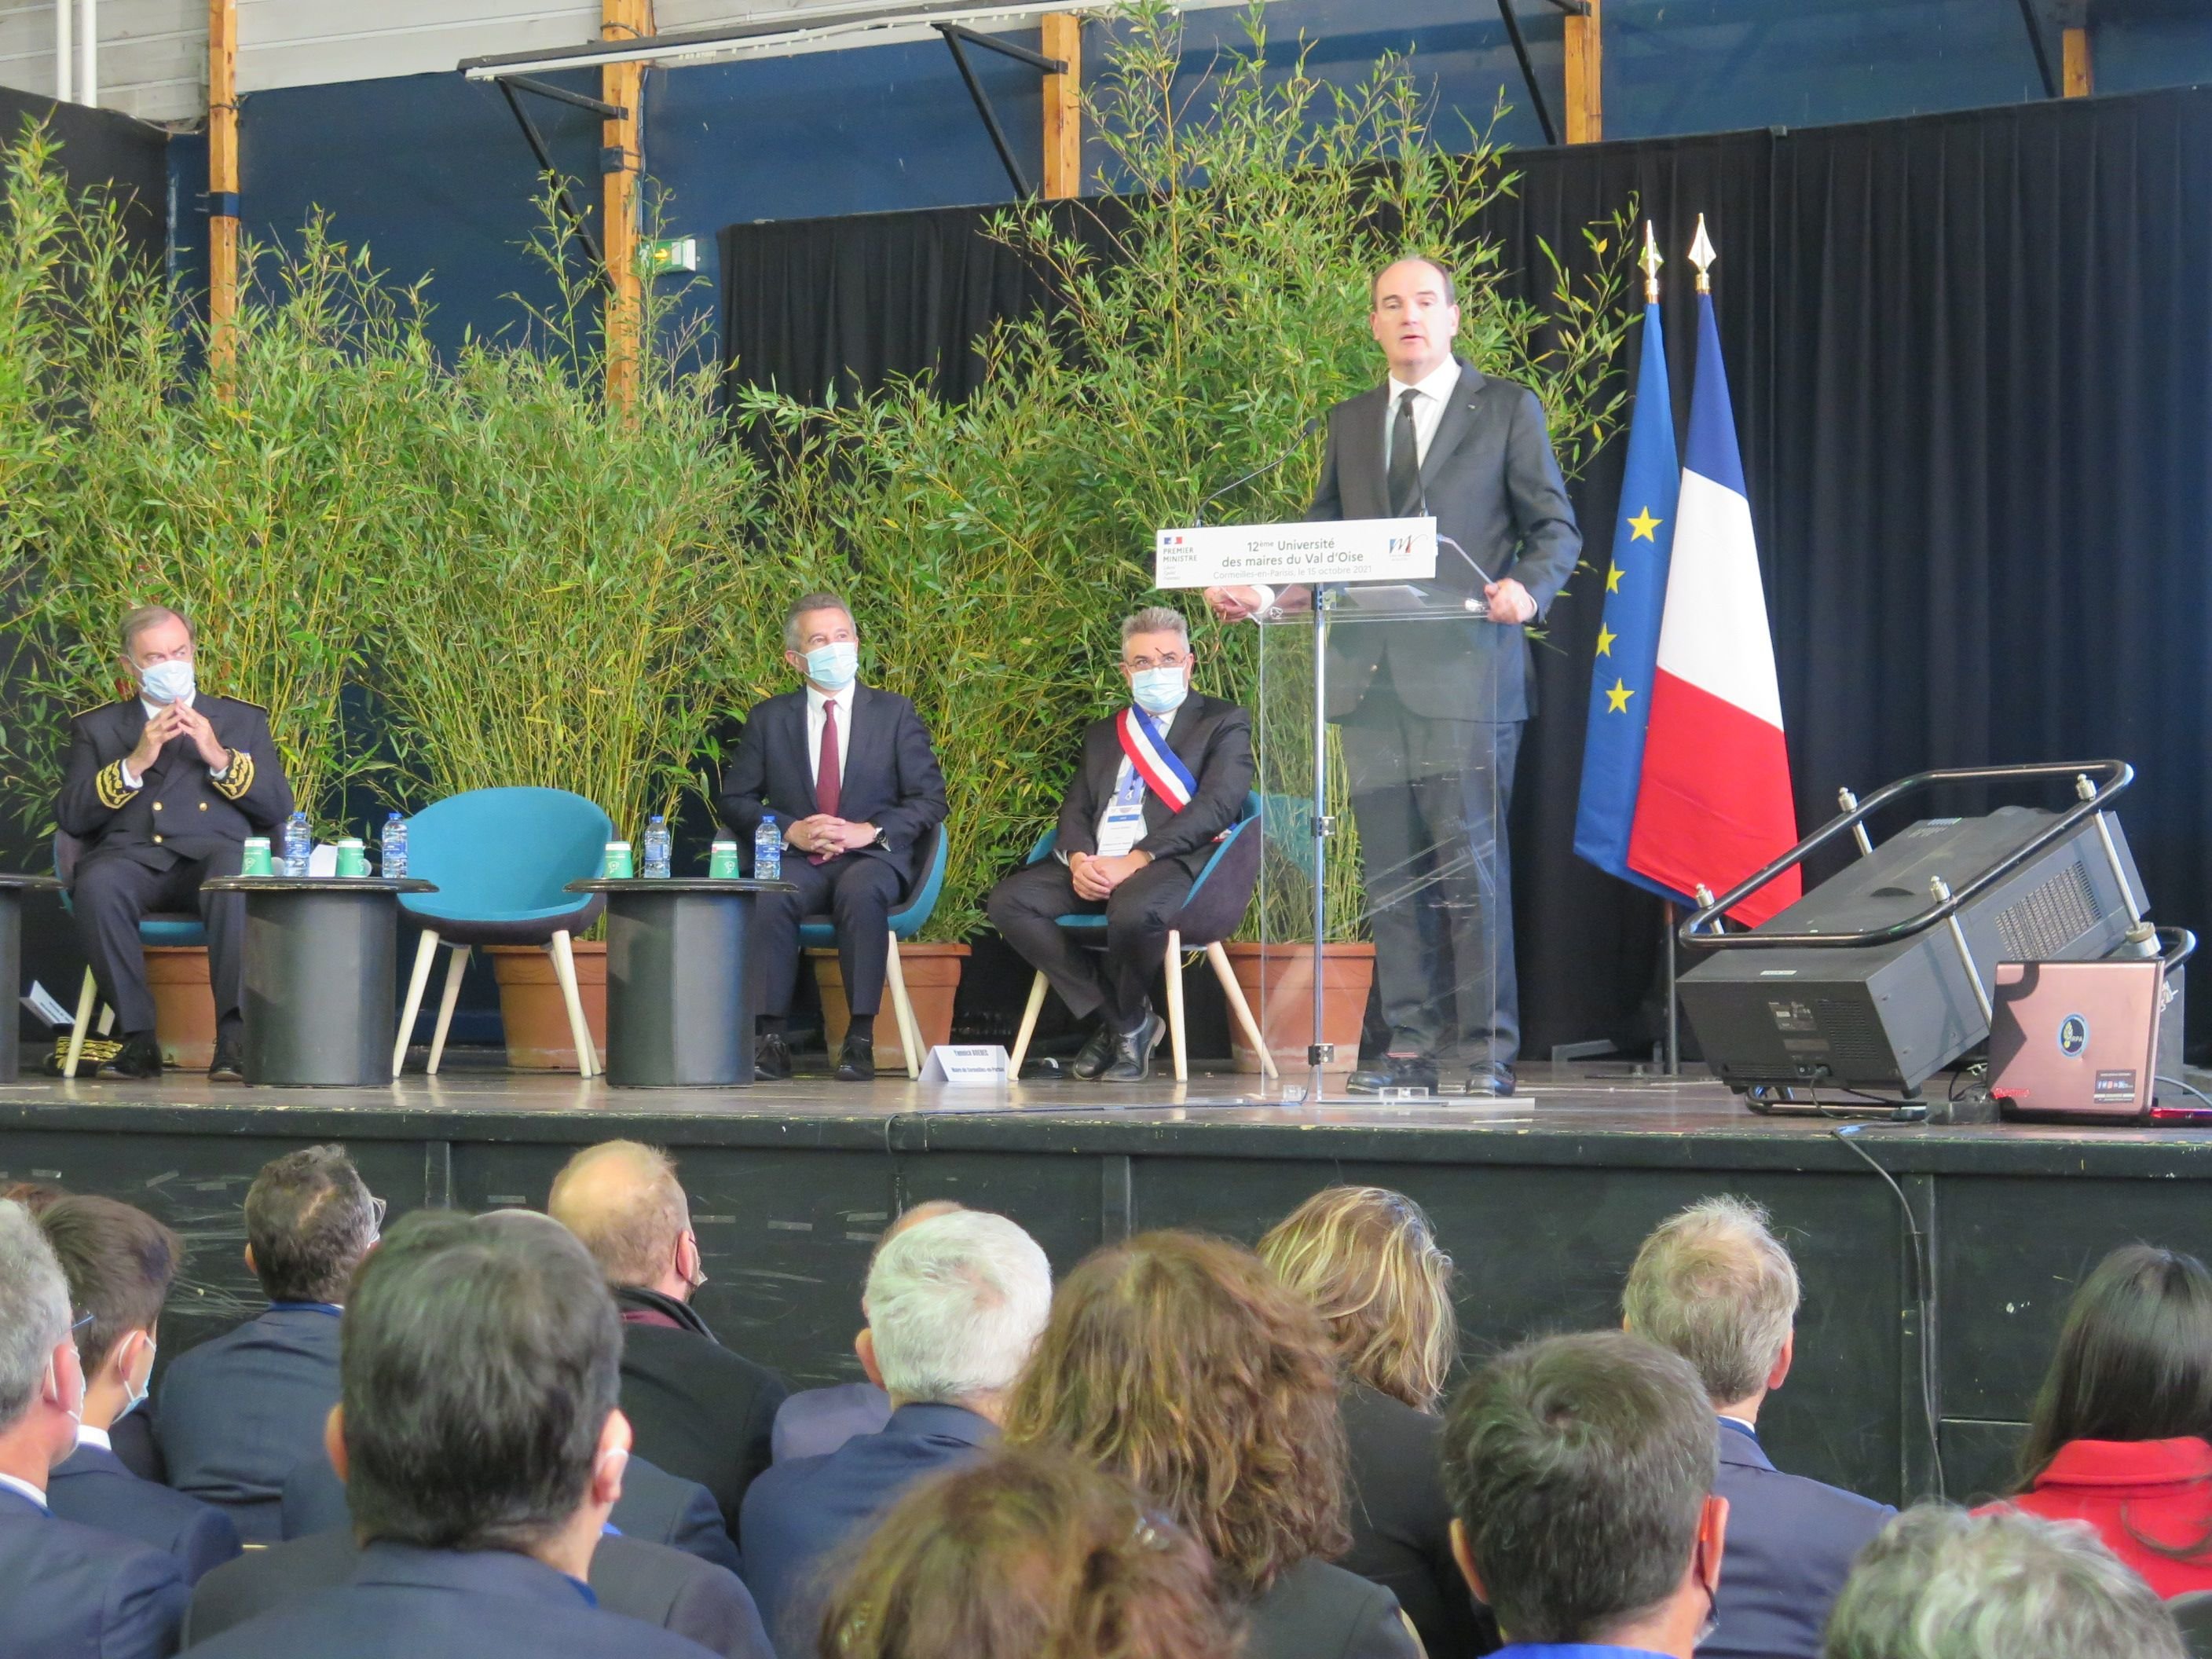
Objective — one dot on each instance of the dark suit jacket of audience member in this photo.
(1401, 1522)
(132, 1437)
(1315, 1611)
(638, 1580)
(1213, 738)
(71, 1592)
(655, 1508)
(817, 1421)
(800, 1514)
(239, 1410)
(91, 1487)
(1790, 1542)
(699, 1410)
(406, 1603)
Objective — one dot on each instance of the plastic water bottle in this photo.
(656, 848)
(298, 843)
(395, 846)
(767, 850)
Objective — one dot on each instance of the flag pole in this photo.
(1674, 1002)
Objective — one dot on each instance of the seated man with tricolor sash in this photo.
(1158, 783)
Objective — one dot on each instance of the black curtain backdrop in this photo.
(1972, 359)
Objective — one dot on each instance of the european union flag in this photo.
(1628, 638)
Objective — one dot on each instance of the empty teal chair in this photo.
(818, 932)
(501, 859)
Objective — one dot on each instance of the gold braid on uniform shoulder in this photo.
(113, 792)
(240, 778)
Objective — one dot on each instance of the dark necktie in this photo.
(828, 785)
(1405, 460)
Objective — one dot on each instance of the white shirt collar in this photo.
(1436, 383)
(89, 1436)
(25, 1487)
(1160, 722)
(1730, 1417)
(154, 708)
(816, 698)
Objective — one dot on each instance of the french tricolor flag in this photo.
(1714, 803)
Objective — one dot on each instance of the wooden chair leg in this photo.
(909, 1028)
(1029, 1029)
(105, 1026)
(564, 969)
(1174, 1005)
(85, 999)
(425, 954)
(456, 966)
(1239, 1007)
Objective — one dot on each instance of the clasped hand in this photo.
(829, 836)
(174, 719)
(1095, 879)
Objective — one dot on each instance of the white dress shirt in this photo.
(89, 1436)
(817, 702)
(1127, 782)
(26, 1489)
(1432, 393)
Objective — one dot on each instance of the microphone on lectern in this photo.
(1289, 449)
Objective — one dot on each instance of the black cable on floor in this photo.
(1923, 1276)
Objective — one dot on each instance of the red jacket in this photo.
(2134, 1490)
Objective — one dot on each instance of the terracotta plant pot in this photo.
(933, 976)
(1277, 980)
(184, 1005)
(531, 1009)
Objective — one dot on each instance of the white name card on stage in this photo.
(951, 1062)
(1344, 550)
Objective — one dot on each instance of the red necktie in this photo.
(828, 787)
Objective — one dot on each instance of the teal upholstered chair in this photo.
(501, 859)
(163, 928)
(819, 932)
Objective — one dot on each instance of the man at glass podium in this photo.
(1432, 711)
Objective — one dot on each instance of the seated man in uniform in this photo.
(163, 788)
(1157, 783)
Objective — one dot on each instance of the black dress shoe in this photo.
(229, 1066)
(1490, 1080)
(856, 1060)
(771, 1057)
(1132, 1052)
(1096, 1052)
(140, 1056)
(1393, 1072)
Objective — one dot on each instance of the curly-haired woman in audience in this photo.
(2121, 1434)
(1030, 1553)
(1368, 1260)
(1183, 1364)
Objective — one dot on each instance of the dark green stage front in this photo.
(1541, 1205)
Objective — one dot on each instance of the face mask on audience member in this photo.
(167, 681)
(834, 665)
(136, 1395)
(1160, 690)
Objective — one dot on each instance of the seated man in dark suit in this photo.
(1713, 1284)
(1580, 1474)
(118, 1261)
(849, 773)
(1157, 783)
(482, 1452)
(695, 1408)
(954, 1306)
(164, 787)
(66, 1591)
(239, 1411)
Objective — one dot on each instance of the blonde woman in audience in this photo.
(1368, 1260)
(1183, 1365)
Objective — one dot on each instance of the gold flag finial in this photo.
(1651, 261)
(1702, 255)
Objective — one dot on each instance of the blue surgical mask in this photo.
(1160, 690)
(136, 1394)
(167, 681)
(834, 665)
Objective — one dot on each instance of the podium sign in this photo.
(1342, 551)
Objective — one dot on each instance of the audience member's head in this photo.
(1939, 1583)
(2134, 1361)
(1713, 1284)
(480, 1361)
(1182, 1363)
(41, 1383)
(309, 1221)
(32, 1195)
(1369, 1261)
(1580, 1474)
(624, 1201)
(1030, 1553)
(954, 1305)
(119, 1262)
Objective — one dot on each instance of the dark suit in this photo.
(889, 778)
(799, 1514)
(699, 1410)
(1790, 1544)
(814, 1421)
(406, 1603)
(149, 848)
(70, 1592)
(1432, 710)
(1213, 739)
(1315, 1611)
(91, 1487)
(655, 1508)
(1401, 1522)
(239, 1410)
(636, 1579)
(132, 1437)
